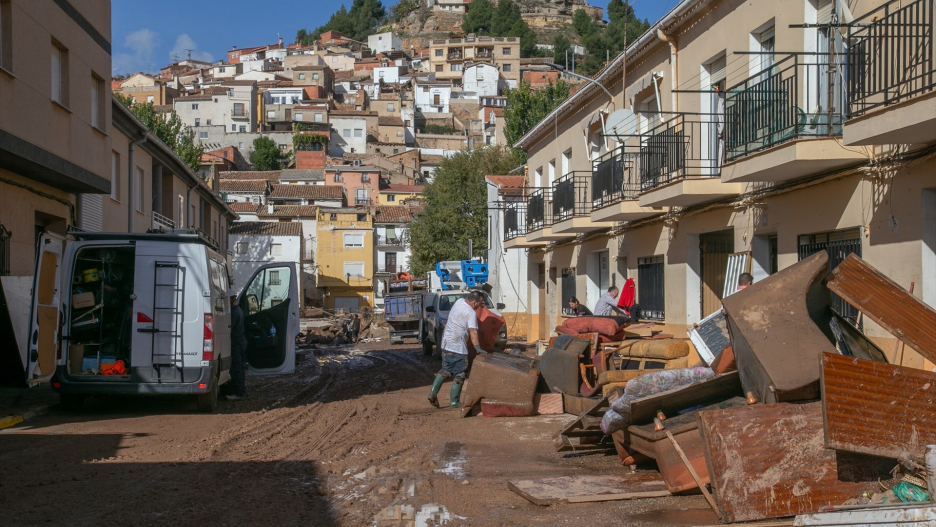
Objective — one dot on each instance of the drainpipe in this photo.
(131, 191)
(188, 205)
(669, 39)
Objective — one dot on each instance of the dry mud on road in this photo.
(348, 440)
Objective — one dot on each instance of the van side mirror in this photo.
(500, 306)
(430, 309)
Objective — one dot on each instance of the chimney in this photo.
(269, 208)
(281, 41)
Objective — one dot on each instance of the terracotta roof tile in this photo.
(507, 182)
(331, 192)
(292, 211)
(266, 228)
(268, 175)
(392, 215)
(407, 189)
(389, 120)
(242, 185)
(241, 207)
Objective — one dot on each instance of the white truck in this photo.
(118, 313)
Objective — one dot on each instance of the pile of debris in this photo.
(335, 330)
(790, 410)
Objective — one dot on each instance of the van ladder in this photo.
(168, 317)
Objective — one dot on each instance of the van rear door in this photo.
(44, 345)
(270, 303)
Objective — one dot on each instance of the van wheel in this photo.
(437, 352)
(208, 402)
(71, 402)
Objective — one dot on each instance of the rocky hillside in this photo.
(545, 17)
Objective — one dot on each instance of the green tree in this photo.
(583, 23)
(168, 127)
(397, 12)
(506, 15)
(456, 207)
(561, 44)
(301, 36)
(479, 17)
(526, 107)
(266, 154)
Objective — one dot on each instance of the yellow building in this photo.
(345, 257)
(399, 194)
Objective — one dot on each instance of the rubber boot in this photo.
(454, 395)
(436, 386)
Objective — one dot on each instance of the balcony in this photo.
(572, 205)
(679, 162)
(782, 123)
(484, 54)
(515, 228)
(388, 269)
(391, 241)
(539, 218)
(161, 222)
(241, 113)
(616, 187)
(455, 56)
(891, 76)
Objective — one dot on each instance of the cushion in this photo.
(606, 326)
(725, 361)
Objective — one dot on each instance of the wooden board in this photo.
(589, 488)
(709, 391)
(875, 408)
(769, 461)
(885, 302)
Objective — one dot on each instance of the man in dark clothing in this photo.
(355, 327)
(238, 350)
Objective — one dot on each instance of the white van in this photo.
(117, 313)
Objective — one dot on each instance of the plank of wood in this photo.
(639, 330)
(718, 388)
(885, 302)
(695, 475)
(875, 408)
(769, 461)
(587, 488)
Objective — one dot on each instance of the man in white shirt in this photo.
(462, 324)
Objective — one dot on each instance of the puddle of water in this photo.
(438, 515)
(453, 460)
(677, 517)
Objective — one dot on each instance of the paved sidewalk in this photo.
(20, 404)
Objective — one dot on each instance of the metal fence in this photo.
(651, 291)
(838, 250)
(539, 209)
(686, 145)
(615, 178)
(514, 219)
(570, 196)
(789, 100)
(890, 55)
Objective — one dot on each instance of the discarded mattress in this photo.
(618, 416)
(778, 331)
(507, 379)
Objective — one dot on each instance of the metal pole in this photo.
(470, 248)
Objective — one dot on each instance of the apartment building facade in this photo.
(345, 258)
(782, 137)
(391, 252)
(447, 57)
(229, 108)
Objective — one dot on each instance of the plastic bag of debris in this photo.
(618, 417)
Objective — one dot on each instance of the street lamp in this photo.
(576, 75)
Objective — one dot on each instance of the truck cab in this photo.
(118, 313)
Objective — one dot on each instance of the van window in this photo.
(218, 289)
(269, 288)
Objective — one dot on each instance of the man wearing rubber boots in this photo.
(462, 324)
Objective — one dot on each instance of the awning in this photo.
(645, 82)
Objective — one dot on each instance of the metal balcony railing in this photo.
(615, 178)
(484, 54)
(790, 100)
(570, 196)
(387, 269)
(890, 55)
(514, 219)
(455, 56)
(686, 145)
(162, 222)
(240, 114)
(392, 241)
(539, 209)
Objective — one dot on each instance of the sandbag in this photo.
(606, 326)
(649, 384)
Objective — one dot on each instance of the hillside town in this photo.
(472, 262)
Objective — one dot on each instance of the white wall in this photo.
(340, 144)
(383, 42)
(507, 268)
(480, 80)
(424, 99)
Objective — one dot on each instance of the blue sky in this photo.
(146, 35)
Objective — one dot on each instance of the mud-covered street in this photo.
(349, 440)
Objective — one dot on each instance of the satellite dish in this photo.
(620, 122)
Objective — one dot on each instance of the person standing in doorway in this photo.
(461, 326)
(238, 350)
